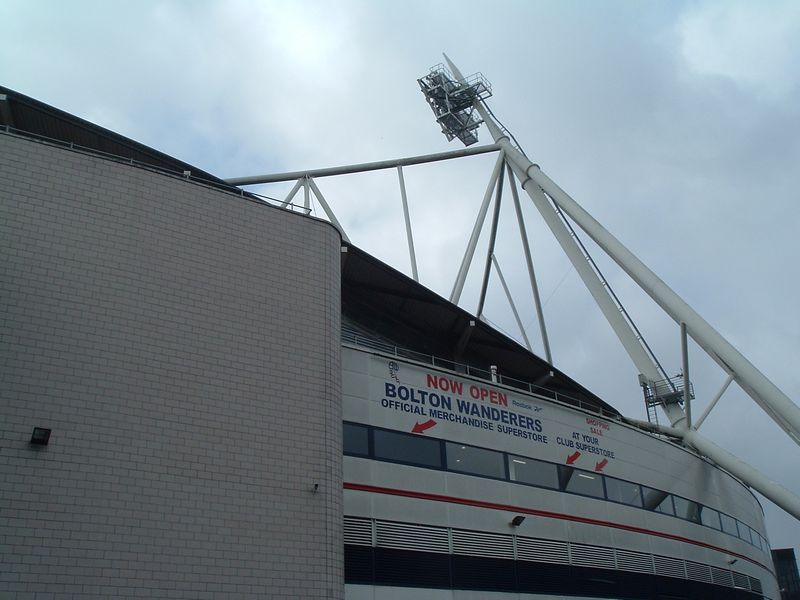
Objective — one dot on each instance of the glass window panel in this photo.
(658, 500)
(687, 509)
(407, 448)
(356, 439)
(623, 491)
(710, 517)
(477, 461)
(744, 532)
(764, 544)
(755, 538)
(533, 472)
(729, 524)
(576, 481)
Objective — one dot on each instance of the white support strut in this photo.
(298, 184)
(327, 208)
(411, 254)
(511, 303)
(529, 263)
(461, 278)
(713, 403)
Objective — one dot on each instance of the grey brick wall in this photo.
(182, 344)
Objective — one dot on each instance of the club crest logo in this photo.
(393, 370)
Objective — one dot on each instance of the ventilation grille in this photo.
(721, 577)
(412, 537)
(592, 556)
(443, 540)
(698, 572)
(741, 581)
(357, 531)
(638, 562)
(474, 543)
(543, 551)
(669, 567)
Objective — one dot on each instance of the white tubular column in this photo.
(411, 254)
(458, 287)
(292, 193)
(327, 208)
(487, 270)
(628, 339)
(713, 403)
(529, 262)
(511, 303)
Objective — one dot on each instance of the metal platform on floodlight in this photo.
(453, 102)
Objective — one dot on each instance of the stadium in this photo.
(207, 395)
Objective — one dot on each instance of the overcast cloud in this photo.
(676, 124)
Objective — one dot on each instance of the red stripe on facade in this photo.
(361, 487)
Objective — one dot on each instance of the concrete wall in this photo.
(182, 344)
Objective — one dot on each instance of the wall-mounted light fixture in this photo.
(517, 521)
(40, 436)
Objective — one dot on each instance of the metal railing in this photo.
(356, 339)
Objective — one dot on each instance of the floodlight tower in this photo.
(458, 120)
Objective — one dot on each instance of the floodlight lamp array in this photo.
(453, 102)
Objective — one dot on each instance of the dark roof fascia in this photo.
(57, 123)
(487, 339)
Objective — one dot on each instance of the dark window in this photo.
(687, 509)
(477, 461)
(407, 448)
(624, 492)
(422, 451)
(576, 481)
(729, 524)
(356, 439)
(658, 500)
(534, 472)
(710, 517)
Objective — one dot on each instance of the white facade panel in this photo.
(467, 414)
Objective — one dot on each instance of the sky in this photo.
(675, 124)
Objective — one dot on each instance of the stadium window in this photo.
(355, 439)
(729, 524)
(624, 492)
(710, 518)
(658, 501)
(687, 509)
(407, 448)
(533, 472)
(476, 461)
(575, 481)
(744, 532)
(755, 537)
